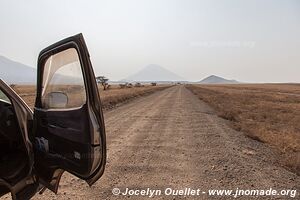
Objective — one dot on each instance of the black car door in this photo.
(68, 120)
(16, 155)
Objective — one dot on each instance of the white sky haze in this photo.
(247, 40)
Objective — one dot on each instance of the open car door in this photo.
(68, 120)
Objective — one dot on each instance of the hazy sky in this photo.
(251, 41)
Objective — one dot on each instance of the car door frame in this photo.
(92, 100)
(28, 185)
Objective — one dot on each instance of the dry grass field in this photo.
(116, 95)
(109, 98)
(269, 113)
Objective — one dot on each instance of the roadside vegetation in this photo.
(119, 94)
(269, 113)
(110, 97)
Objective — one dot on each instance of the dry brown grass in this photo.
(116, 95)
(268, 113)
(27, 92)
(109, 98)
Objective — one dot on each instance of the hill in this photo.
(154, 72)
(16, 73)
(217, 80)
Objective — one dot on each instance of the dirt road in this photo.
(171, 139)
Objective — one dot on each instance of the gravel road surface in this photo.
(171, 139)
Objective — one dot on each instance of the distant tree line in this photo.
(104, 82)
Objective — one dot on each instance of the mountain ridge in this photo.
(213, 79)
(154, 72)
(14, 72)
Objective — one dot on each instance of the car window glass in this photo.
(3, 97)
(63, 84)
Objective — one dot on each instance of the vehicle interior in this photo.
(13, 157)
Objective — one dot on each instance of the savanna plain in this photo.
(198, 136)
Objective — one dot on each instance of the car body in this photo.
(64, 132)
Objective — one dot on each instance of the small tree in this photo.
(12, 86)
(103, 81)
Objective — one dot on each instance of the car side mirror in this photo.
(56, 100)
